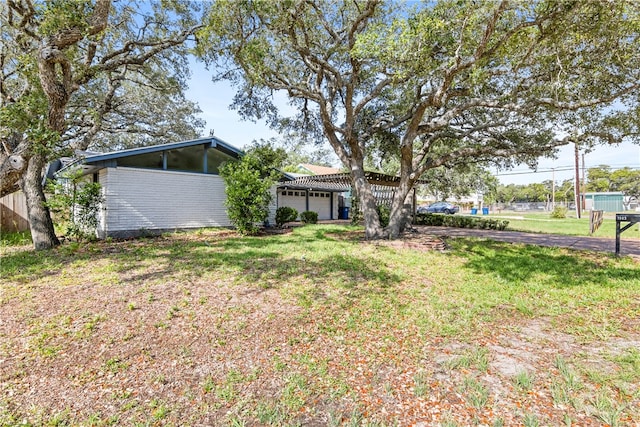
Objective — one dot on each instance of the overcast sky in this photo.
(214, 100)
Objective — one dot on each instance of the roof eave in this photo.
(212, 141)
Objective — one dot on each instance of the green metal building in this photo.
(608, 202)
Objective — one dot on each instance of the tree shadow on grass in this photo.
(263, 265)
(558, 267)
(260, 263)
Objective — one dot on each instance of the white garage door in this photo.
(294, 199)
(320, 202)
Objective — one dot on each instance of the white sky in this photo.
(618, 156)
(214, 100)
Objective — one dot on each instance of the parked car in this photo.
(439, 207)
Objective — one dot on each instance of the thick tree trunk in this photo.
(14, 158)
(372, 228)
(400, 215)
(11, 170)
(42, 231)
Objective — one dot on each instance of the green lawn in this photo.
(543, 223)
(317, 327)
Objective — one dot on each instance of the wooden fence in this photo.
(13, 213)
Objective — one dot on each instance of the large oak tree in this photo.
(438, 83)
(81, 74)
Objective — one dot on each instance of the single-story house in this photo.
(177, 186)
(161, 187)
(323, 199)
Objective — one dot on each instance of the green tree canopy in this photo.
(603, 178)
(80, 74)
(435, 84)
(443, 183)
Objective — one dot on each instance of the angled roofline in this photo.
(286, 176)
(96, 161)
(213, 141)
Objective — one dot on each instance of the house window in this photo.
(188, 159)
(215, 159)
(148, 160)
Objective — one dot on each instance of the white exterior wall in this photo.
(139, 199)
(273, 206)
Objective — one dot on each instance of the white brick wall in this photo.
(138, 199)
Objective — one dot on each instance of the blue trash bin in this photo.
(474, 211)
(485, 211)
(343, 212)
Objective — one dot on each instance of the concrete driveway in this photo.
(601, 244)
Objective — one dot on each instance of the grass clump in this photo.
(18, 238)
(559, 212)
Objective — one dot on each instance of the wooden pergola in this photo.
(341, 181)
(383, 186)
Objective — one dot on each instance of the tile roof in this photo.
(319, 170)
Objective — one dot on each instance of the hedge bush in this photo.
(285, 214)
(248, 195)
(309, 217)
(440, 220)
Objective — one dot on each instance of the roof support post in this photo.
(331, 194)
(205, 166)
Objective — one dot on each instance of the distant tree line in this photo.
(603, 178)
(534, 192)
(599, 179)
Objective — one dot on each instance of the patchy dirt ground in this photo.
(414, 240)
(125, 340)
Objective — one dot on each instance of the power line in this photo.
(562, 169)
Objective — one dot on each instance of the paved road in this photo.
(602, 244)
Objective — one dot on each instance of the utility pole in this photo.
(584, 186)
(577, 183)
(553, 188)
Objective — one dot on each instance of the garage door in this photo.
(320, 202)
(293, 199)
